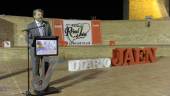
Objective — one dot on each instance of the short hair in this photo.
(39, 10)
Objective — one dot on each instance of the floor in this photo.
(133, 80)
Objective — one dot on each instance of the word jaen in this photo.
(128, 56)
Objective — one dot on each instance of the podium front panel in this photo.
(46, 46)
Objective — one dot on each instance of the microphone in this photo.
(43, 25)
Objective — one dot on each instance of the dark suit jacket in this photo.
(35, 32)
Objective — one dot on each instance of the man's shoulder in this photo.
(31, 24)
(46, 22)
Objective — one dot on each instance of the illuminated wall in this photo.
(138, 9)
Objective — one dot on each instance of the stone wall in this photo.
(123, 32)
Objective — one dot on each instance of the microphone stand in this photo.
(28, 93)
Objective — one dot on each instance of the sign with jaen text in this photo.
(128, 56)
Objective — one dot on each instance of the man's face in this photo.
(38, 16)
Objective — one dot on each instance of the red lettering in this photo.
(128, 59)
(117, 56)
(128, 56)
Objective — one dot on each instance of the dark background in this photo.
(66, 9)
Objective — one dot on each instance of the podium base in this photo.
(51, 90)
(28, 93)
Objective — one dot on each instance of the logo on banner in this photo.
(77, 32)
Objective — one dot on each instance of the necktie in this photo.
(41, 30)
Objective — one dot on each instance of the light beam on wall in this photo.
(138, 9)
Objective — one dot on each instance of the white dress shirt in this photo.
(41, 29)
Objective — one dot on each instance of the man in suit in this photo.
(38, 27)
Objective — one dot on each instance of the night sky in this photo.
(66, 9)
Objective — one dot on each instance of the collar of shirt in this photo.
(38, 23)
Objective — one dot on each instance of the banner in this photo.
(77, 32)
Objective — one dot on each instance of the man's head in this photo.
(38, 14)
